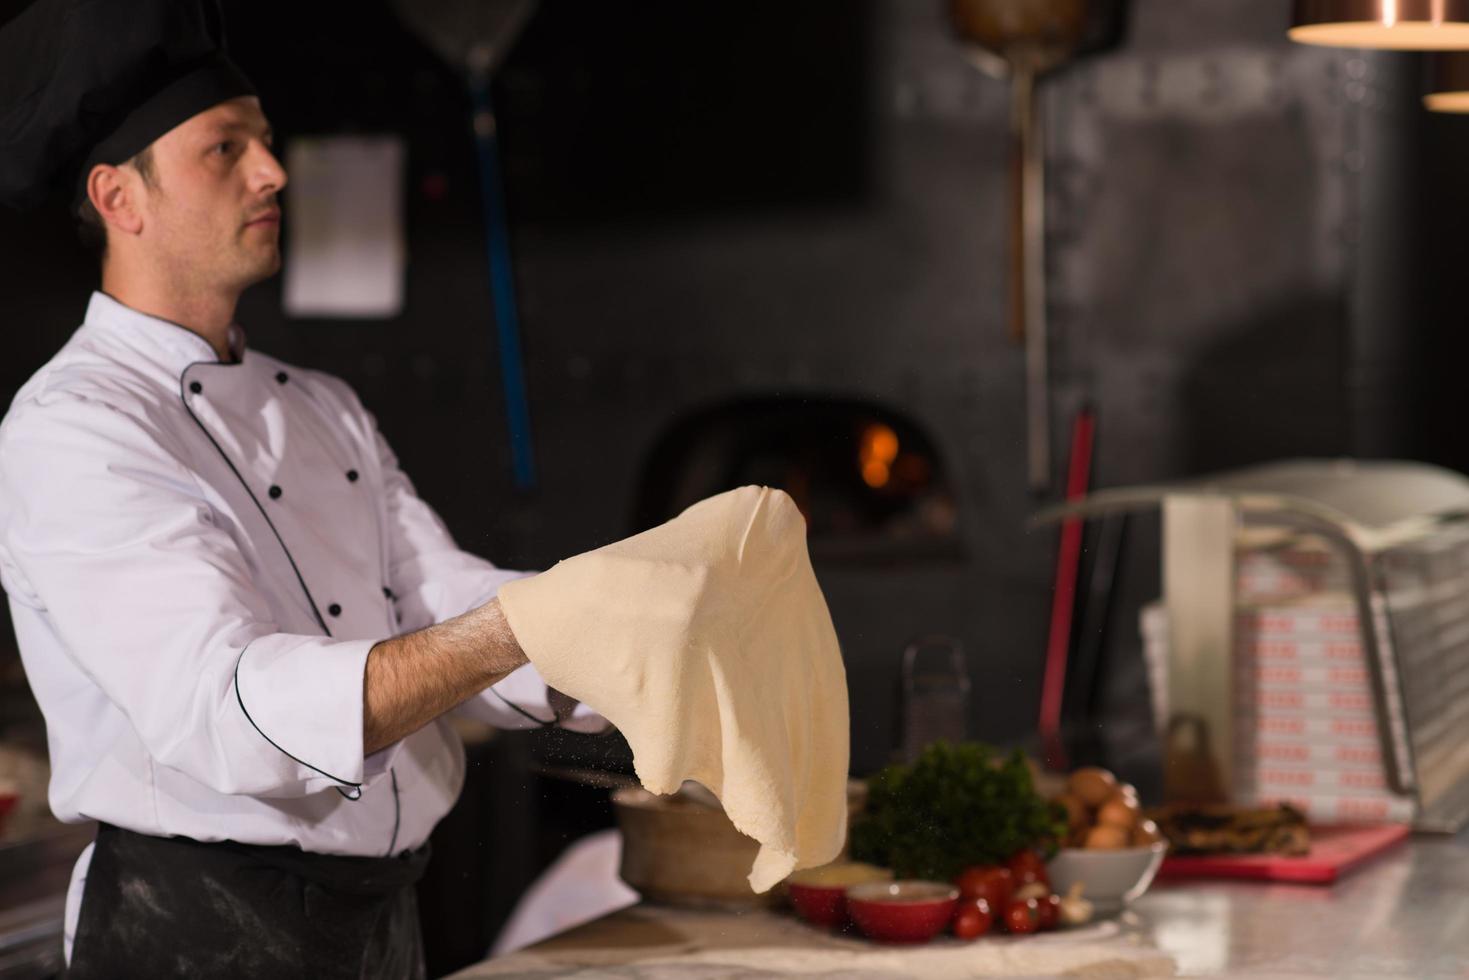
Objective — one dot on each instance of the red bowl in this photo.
(819, 895)
(902, 911)
(820, 905)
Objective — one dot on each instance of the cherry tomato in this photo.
(989, 882)
(973, 918)
(1050, 911)
(1026, 866)
(1023, 916)
(971, 881)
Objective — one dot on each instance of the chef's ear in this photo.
(116, 192)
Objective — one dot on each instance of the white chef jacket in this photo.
(198, 556)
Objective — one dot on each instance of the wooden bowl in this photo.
(676, 851)
(679, 851)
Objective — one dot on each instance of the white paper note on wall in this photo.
(345, 248)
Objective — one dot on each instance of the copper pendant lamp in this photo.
(1448, 89)
(1399, 25)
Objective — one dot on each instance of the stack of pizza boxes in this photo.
(1306, 723)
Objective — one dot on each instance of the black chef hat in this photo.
(84, 82)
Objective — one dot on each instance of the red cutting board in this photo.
(1334, 852)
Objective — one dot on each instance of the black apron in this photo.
(156, 907)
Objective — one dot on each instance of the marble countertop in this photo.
(1404, 915)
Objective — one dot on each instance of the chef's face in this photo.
(210, 215)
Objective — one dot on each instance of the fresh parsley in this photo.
(956, 806)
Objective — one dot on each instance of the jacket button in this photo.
(195, 387)
(351, 476)
(281, 377)
(387, 592)
(334, 609)
(275, 492)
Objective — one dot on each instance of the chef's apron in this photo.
(156, 907)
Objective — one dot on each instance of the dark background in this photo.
(1255, 253)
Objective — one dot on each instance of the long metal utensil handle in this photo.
(1029, 271)
(1063, 600)
(502, 285)
(1022, 87)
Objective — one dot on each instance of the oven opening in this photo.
(870, 482)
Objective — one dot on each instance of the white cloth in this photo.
(707, 642)
(580, 886)
(198, 556)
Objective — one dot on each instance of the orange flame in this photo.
(875, 455)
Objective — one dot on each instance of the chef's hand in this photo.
(414, 678)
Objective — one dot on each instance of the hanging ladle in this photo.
(1021, 40)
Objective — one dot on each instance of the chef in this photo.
(243, 626)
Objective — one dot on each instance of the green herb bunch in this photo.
(956, 806)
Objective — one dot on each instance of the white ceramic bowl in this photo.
(1110, 879)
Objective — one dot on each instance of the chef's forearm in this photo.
(414, 678)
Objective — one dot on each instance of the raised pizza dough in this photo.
(707, 642)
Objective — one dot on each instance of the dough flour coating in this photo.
(708, 643)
